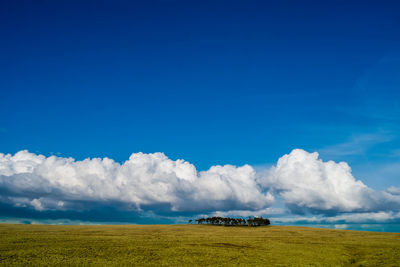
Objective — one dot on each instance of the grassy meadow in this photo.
(194, 245)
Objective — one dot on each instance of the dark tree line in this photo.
(255, 221)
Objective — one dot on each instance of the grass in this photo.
(194, 245)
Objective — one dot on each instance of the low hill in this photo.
(194, 245)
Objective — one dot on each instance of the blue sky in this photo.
(210, 82)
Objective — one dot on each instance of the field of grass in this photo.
(194, 245)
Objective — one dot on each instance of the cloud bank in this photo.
(155, 184)
(142, 182)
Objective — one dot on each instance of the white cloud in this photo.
(153, 182)
(364, 217)
(246, 213)
(143, 180)
(393, 190)
(306, 182)
(37, 204)
(380, 216)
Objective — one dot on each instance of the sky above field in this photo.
(160, 111)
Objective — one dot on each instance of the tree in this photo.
(251, 221)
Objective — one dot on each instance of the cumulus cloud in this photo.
(143, 181)
(306, 183)
(155, 184)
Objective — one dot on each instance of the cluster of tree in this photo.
(256, 221)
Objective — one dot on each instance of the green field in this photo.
(194, 245)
